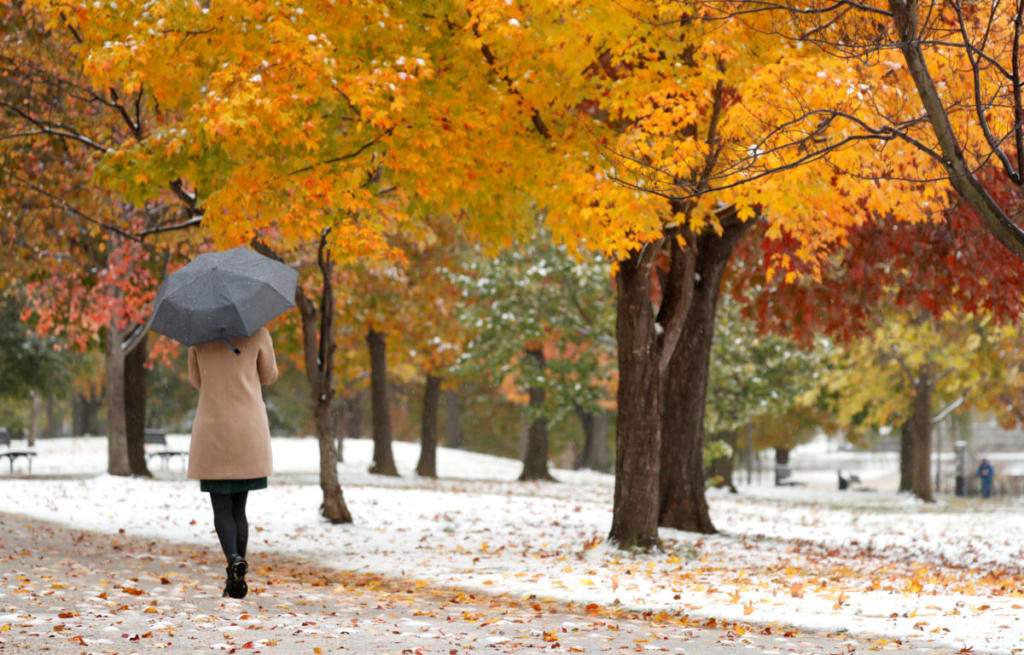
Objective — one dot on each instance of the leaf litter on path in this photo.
(70, 591)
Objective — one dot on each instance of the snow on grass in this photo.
(867, 563)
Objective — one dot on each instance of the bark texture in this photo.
(921, 431)
(54, 419)
(595, 454)
(383, 458)
(961, 175)
(427, 466)
(35, 411)
(453, 436)
(682, 502)
(85, 411)
(638, 433)
(535, 454)
(117, 437)
(906, 458)
(135, 406)
(318, 349)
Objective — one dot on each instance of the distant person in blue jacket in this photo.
(986, 473)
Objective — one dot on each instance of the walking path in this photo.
(67, 591)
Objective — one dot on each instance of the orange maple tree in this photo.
(652, 132)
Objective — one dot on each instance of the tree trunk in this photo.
(54, 420)
(35, 409)
(427, 466)
(453, 437)
(721, 469)
(682, 501)
(535, 455)
(117, 437)
(135, 407)
(318, 349)
(638, 429)
(85, 413)
(338, 416)
(595, 455)
(906, 457)
(383, 459)
(348, 418)
(921, 422)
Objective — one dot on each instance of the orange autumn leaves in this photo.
(363, 116)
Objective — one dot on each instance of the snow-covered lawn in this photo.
(869, 563)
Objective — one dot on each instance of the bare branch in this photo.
(352, 155)
(64, 204)
(53, 129)
(979, 104)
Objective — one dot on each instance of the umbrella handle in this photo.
(231, 345)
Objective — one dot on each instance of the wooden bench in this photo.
(155, 436)
(11, 455)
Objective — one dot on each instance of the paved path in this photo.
(68, 591)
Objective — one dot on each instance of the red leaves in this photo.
(949, 262)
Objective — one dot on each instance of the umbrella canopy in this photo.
(223, 295)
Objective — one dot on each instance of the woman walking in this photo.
(230, 451)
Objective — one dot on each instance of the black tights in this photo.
(230, 522)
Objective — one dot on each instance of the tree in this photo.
(905, 372)
(757, 381)
(318, 348)
(959, 105)
(689, 141)
(78, 249)
(618, 119)
(541, 328)
(923, 276)
(28, 364)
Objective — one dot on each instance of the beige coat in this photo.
(230, 433)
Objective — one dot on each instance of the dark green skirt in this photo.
(232, 486)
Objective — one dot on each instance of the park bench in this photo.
(784, 477)
(11, 454)
(157, 437)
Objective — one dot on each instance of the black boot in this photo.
(235, 586)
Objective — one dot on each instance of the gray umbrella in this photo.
(223, 295)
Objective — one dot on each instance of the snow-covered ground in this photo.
(866, 562)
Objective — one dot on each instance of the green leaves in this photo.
(537, 296)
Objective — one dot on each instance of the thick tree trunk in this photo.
(383, 459)
(906, 457)
(721, 469)
(135, 407)
(921, 429)
(638, 430)
(318, 349)
(427, 466)
(682, 500)
(453, 436)
(535, 455)
(595, 454)
(117, 436)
